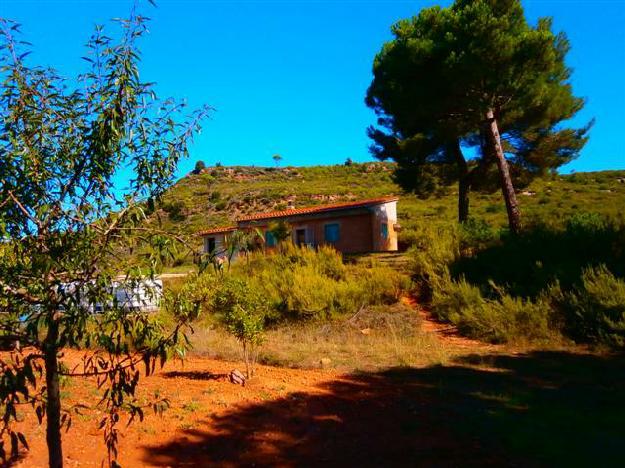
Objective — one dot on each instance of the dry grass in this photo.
(378, 337)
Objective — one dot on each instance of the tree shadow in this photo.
(542, 408)
(528, 263)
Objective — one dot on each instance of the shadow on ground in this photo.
(538, 409)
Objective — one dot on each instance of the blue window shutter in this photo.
(270, 240)
(331, 232)
(384, 231)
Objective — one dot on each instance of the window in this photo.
(300, 237)
(331, 232)
(384, 231)
(270, 240)
(210, 244)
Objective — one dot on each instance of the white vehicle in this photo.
(144, 296)
(140, 296)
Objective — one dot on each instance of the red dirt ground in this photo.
(284, 417)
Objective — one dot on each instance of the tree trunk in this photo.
(464, 182)
(494, 141)
(53, 404)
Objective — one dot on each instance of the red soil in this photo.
(284, 417)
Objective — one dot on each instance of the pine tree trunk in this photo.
(464, 183)
(53, 404)
(494, 141)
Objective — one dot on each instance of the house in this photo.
(350, 227)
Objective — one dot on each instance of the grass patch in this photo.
(378, 337)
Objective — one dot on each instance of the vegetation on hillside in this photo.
(218, 195)
(296, 284)
(556, 279)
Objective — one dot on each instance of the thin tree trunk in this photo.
(53, 404)
(464, 182)
(494, 141)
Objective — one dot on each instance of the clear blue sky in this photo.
(289, 77)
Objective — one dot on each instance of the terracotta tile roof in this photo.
(318, 209)
(218, 230)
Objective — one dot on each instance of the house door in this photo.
(300, 237)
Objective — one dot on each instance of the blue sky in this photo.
(289, 77)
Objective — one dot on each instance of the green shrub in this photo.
(582, 224)
(378, 284)
(435, 249)
(475, 234)
(493, 208)
(175, 210)
(595, 310)
(199, 167)
(495, 320)
(301, 283)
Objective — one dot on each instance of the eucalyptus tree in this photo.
(64, 226)
(474, 75)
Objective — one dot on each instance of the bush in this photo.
(475, 234)
(300, 283)
(583, 224)
(595, 311)
(199, 167)
(495, 320)
(175, 210)
(435, 249)
(560, 279)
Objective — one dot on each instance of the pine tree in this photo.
(474, 75)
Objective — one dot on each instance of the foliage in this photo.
(498, 320)
(300, 283)
(277, 159)
(175, 210)
(280, 230)
(544, 254)
(594, 311)
(476, 234)
(199, 167)
(63, 225)
(253, 189)
(451, 76)
(549, 281)
(243, 309)
(435, 248)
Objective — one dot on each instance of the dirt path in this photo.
(445, 332)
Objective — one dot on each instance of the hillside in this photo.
(218, 195)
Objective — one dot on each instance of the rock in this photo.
(325, 362)
(366, 331)
(236, 377)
